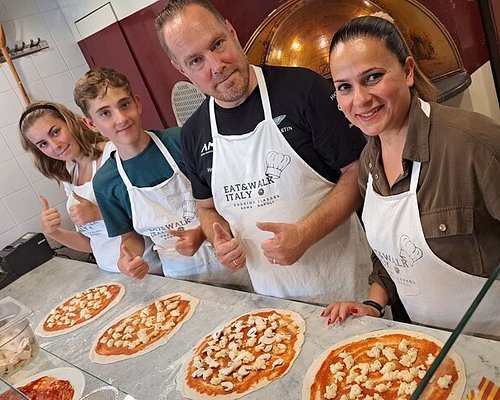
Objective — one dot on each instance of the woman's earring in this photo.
(338, 106)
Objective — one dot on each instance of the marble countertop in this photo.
(152, 375)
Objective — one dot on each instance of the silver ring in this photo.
(235, 262)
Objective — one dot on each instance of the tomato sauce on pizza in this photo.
(143, 329)
(385, 366)
(244, 355)
(48, 388)
(81, 309)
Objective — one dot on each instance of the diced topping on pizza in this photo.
(386, 367)
(146, 325)
(248, 350)
(81, 307)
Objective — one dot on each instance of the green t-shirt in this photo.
(149, 168)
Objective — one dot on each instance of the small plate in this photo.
(73, 375)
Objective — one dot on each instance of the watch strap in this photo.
(376, 306)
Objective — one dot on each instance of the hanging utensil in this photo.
(6, 55)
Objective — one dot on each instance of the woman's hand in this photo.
(188, 241)
(84, 211)
(342, 311)
(50, 219)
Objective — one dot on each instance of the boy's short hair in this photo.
(94, 84)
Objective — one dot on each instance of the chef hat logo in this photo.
(276, 163)
(189, 210)
(409, 253)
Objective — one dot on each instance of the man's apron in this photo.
(259, 177)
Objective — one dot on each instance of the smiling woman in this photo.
(431, 209)
(66, 151)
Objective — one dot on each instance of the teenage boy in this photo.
(143, 190)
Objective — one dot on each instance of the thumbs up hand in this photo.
(84, 211)
(131, 264)
(188, 241)
(228, 250)
(50, 219)
(286, 246)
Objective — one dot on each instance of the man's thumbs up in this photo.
(229, 251)
(221, 235)
(286, 246)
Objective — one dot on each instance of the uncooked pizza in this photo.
(143, 329)
(80, 309)
(48, 388)
(386, 364)
(243, 355)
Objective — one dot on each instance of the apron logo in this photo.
(409, 253)
(399, 266)
(276, 163)
(206, 149)
(94, 228)
(243, 191)
(189, 210)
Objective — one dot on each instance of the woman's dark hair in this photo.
(386, 31)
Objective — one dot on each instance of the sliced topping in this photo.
(228, 386)
(278, 362)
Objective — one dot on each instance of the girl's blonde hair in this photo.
(86, 139)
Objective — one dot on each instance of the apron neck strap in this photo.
(415, 173)
(163, 150)
(76, 171)
(264, 94)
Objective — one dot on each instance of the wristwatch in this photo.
(375, 305)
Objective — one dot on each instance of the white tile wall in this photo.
(11, 135)
(23, 204)
(12, 178)
(6, 222)
(75, 10)
(49, 62)
(46, 5)
(47, 75)
(20, 8)
(61, 86)
(29, 169)
(11, 108)
(5, 152)
(79, 72)
(25, 69)
(36, 91)
(4, 80)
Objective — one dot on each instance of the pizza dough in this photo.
(243, 355)
(385, 364)
(143, 328)
(80, 309)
